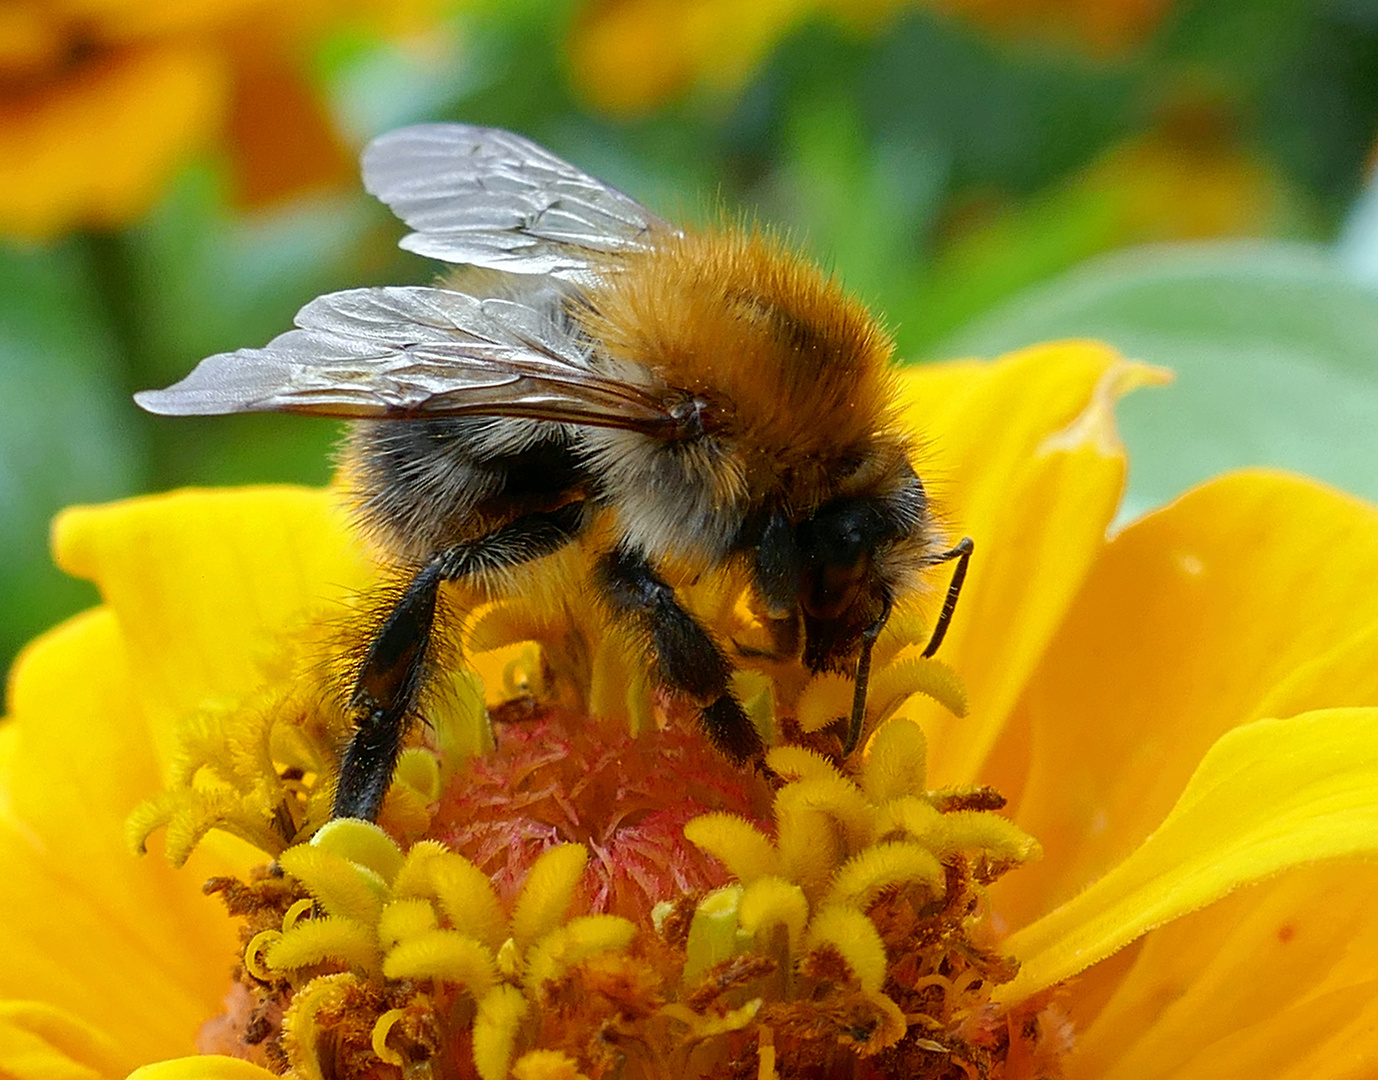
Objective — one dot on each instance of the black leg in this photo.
(863, 678)
(687, 660)
(384, 692)
(395, 667)
(962, 553)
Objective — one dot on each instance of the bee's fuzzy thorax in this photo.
(799, 367)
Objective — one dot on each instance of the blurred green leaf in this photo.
(202, 280)
(856, 205)
(64, 434)
(1012, 116)
(1275, 350)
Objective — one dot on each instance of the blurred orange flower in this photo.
(1102, 27)
(628, 56)
(102, 100)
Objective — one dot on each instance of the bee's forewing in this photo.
(413, 351)
(490, 198)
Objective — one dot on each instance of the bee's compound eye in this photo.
(837, 543)
(833, 589)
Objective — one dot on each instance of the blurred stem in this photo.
(112, 276)
(114, 279)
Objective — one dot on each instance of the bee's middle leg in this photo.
(688, 660)
(395, 667)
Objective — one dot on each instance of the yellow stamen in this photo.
(316, 941)
(895, 683)
(855, 939)
(463, 891)
(741, 847)
(881, 866)
(344, 888)
(769, 902)
(253, 954)
(547, 892)
(297, 912)
(499, 1018)
(361, 842)
(379, 1041)
(896, 764)
(447, 955)
(402, 920)
(573, 943)
(546, 1065)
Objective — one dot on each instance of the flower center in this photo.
(581, 902)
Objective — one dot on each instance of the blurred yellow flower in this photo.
(629, 56)
(101, 101)
(1173, 713)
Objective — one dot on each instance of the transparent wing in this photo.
(490, 198)
(415, 352)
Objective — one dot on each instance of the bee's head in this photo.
(843, 593)
(843, 566)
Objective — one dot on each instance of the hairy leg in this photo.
(394, 670)
(688, 661)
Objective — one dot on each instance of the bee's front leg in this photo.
(395, 667)
(687, 660)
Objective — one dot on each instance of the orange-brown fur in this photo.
(802, 366)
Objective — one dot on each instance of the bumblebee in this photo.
(594, 374)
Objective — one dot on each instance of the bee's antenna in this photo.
(962, 553)
(863, 678)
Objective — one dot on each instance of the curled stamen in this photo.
(379, 1039)
(259, 944)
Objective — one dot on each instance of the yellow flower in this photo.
(101, 102)
(1183, 716)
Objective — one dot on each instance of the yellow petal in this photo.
(1270, 973)
(1268, 796)
(1184, 628)
(39, 1041)
(83, 918)
(1324, 1036)
(200, 580)
(1342, 675)
(1024, 459)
